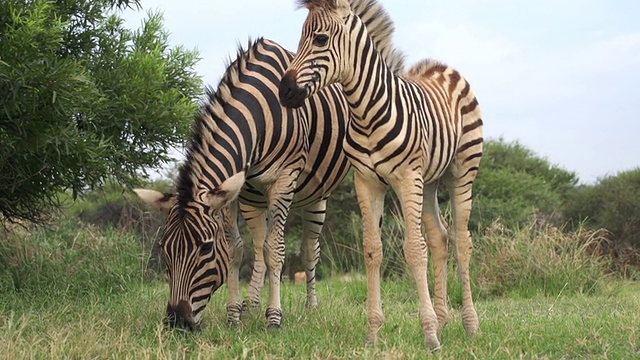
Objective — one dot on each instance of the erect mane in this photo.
(204, 124)
(379, 25)
(318, 4)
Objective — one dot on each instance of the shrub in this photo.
(515, 185)
(612, 203)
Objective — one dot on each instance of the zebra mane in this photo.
(204, 124)
(379, 25)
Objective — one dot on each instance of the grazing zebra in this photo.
(410, 131)
(245, 146)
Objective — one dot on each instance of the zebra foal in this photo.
(411, 130)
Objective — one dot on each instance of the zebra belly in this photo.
(258, 198)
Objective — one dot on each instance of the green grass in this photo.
(77, 291)
(128, 325)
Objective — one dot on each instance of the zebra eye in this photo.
(320, 40)
(206, 248)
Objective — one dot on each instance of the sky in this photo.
(560, 77)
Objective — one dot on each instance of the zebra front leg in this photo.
(313, 220)
(236, 249)
(274, 248)
(409, 189)
(370, 195)
(257, 223)
(438, 245)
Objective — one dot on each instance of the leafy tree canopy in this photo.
(514, 184)
(83, 98)
(613, 203)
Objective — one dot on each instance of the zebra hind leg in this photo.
(313, 220)
(461, 200)
(438, 245)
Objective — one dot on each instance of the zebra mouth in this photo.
(178, 318)
(291, 95)
(182, 324)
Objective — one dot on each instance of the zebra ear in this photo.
(156, 199)
(226, 192)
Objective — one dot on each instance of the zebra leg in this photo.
(371, 200)
(257, 223)
(409, 189)
(461, 209)
(313, 219)
(234, 306)
(280, 198)
(438, 245)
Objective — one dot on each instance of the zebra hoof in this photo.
(433, 344)
(248, 305)
(274, 327)
(370, 341)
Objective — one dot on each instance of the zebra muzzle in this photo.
(290, 94)
(180, 317)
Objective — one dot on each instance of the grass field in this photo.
(81, 292)
(128, 325)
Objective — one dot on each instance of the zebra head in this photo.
(323, 55)
(194, 248)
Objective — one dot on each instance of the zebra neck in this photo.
(367, 89)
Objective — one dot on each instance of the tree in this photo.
(613, 203)
(83, 98)
(515, 184)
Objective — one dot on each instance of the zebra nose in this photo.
(290, 95)
(179, 316)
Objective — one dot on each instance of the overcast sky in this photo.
(560, 76)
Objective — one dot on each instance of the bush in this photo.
(516, 186)
(612, 203)
(83, 98)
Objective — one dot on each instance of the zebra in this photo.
(245, 146)
(247, 153)
(411, 130)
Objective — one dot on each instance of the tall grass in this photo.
(523, 262)
(69, 259)
(535, 260)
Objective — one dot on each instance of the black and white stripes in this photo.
(249, 154)
(411, 130)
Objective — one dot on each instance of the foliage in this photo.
(612, 203)
(84, 98)
(516, 185)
